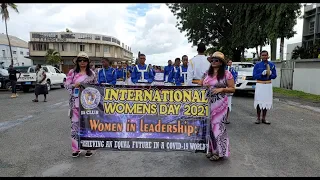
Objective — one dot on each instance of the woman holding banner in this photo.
(219, 82)
(80, 74)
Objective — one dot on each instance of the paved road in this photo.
(34, 141)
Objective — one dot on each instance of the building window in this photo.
(63, 47)
(28, 53)
(3, 53)
(56, 46)
(90, 48)
(14, 52)
(21, 52)
(73, 47)
(97, 48)
(98, 38)
(82, 47)
(106, 38)
(106, 49)
(40, 46)
(311, 27)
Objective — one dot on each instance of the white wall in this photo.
(18, 59)
(306, 77)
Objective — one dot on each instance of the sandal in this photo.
(35, 100)
(209, 155)
(214, 157)
(76, 154)
(265, 122)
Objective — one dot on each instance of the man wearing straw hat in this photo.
(263, 72)
(197, 67)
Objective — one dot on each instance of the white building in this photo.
(70, 44)
(20, 51)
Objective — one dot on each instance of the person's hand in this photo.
(270, 72)
(264, 72)
(217, 90)
(77, 85)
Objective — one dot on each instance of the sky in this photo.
(148, 28)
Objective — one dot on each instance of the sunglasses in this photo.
(215, 60)
(82, 60)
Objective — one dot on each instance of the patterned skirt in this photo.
(219, 140)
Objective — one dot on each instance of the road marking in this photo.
(9, 124)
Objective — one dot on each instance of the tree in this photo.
(282, 19)
(5, 18)
(68, 31)
(206, 23)
(53, 57)
(230, 27)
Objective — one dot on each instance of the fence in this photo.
(298, 75)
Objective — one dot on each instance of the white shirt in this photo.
(39, 75)
(197, 66)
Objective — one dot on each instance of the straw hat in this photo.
(81, 55)
(218, 55)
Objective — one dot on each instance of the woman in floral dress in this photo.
(80, 74)
(219, 82)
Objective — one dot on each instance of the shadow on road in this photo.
(244, 94)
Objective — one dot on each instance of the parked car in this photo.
(245, 81)
(28, 77)
(4, 79)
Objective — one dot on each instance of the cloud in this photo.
(149, 28)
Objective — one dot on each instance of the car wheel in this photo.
(8, 86)
(62, 85)
(49, 85)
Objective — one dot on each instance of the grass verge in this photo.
(297, 94)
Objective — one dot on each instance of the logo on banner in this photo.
(90, 98)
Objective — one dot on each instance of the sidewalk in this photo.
(298, 98)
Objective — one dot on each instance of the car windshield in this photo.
(4, 72)
(22, 69)
(245, 67)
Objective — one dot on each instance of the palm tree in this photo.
(5, 17)
(53, 57)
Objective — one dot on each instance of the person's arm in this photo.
(190, 73)
(165, 73)
(69, 84)
(19, 73)
(230, 85)
(177, 78)
(273, 72)
(134, 75)
(99, 78)
(171, 74)
(151, 76)
(256, 74)
(114, 77)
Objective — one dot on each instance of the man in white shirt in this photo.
(197, 66)
(41, 86)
